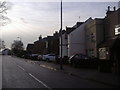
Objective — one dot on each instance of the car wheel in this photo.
(73, 64)
(47, 59)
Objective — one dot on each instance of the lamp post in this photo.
(61, 63)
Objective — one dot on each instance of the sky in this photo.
(31, 18)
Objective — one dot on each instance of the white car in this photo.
(39, 57)
(49, 57)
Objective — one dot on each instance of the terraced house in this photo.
(109, 50)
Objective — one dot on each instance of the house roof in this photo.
(109, 13)
(41, 40)
(77, 24)
(47, 39)
(30, 45)
(70, 29)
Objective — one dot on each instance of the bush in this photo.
(64, 60)
(89, 63)
(105, 65)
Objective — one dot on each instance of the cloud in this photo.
(43, 18)
(64, 0)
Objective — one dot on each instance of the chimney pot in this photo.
(108, 8)
(40, 37)
(114, 8)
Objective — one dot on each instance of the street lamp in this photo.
(61, 66)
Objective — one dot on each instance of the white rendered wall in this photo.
(76, 40)
(64, 46)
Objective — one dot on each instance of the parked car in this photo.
(78, 59)
(65, 60)
(40, 57)
(26, 56)
(49, 57)
(34, 56)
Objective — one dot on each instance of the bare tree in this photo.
(2, 44)
(4, 6)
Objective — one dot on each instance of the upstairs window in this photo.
(117, 30)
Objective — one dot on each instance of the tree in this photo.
(2, 44)
(17, 47)
(4, 6)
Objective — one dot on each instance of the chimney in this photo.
(108, 8)
(114, 8)
(55, 34)
(108, 11)
(40, 37)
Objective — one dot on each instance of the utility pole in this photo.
(61, 63)
(79, 18)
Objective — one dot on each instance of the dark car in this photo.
(26, 56)
(34, 56)
(78, 59)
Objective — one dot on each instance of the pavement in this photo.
(94, 75)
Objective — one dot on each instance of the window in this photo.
(88, 37)
(103, 53)
(66, 36)
(91, 53)
(92, 37)
(117, 30)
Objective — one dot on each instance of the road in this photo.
(16, 73)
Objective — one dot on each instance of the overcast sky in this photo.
(29, 19)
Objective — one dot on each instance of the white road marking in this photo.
(21, 67)
(39, 81)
